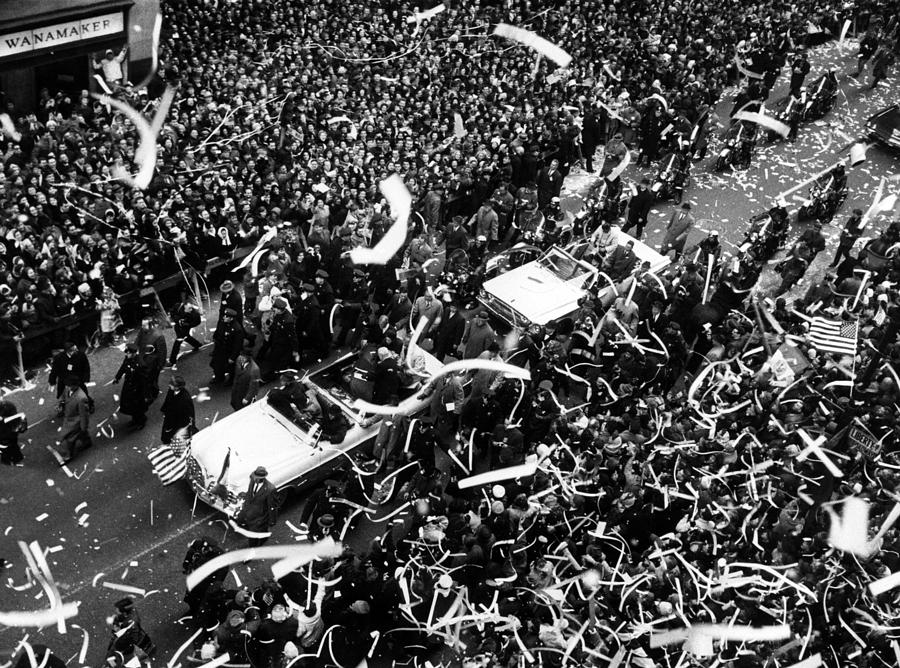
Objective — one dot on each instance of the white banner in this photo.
(47, 37)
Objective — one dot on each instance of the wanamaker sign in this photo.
(47, 37)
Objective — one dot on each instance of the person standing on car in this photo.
(549, 183)
(282, 348)
(638, 209)
(386, 378)
(259, 511)
(133, 400)
(246, 379)
(185, 317)
(177, 409)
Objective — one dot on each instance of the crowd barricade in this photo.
(39, 342)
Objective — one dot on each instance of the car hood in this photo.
(886, 125)
(257, 435)
(534, 293)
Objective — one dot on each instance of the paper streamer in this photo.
(743, 70)
(418, 17)
(459, 128)
(145, 155)
(8, 128)
(619, 169)
(128, 589)
(408, 405)
(534, 41)
(884, 584)
(813, 661)
(308, 551)
(246, 532)
(763, 120)
(850, 531)
(397, 195)
(154, 55)
(844, 30)
(722, 632)
(218, 661)
(38, 618)
(661, 99)
(37, 562)
(520, 471)
(85, 641)
(187, 643)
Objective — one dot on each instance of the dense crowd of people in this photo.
(668, 489)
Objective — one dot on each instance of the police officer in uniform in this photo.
(228, 340)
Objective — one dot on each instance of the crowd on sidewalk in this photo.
(691, 446)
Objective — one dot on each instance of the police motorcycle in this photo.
(558, 229)
(821, 96)
(604, 203)
(459, 276)
(738, 149)
(767, 234)
(673, 174)
(826, 195)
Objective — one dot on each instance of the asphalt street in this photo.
(113, 523)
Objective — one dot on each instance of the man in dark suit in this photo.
(77, 419)
(549, 183)
(591, 138)
(638, 208)
(449, 333)
(71, 361)
(386, 378)
(260, 510)
(246, 379)
(177, 409)
(231, 298)
(282, 349)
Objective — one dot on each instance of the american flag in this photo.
(168, 464)
(834, 336)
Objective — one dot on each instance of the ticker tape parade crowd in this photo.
(680, 473)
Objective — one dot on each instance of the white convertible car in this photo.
(295, 455)
(549, 287)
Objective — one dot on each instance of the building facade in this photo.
(54, 44)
